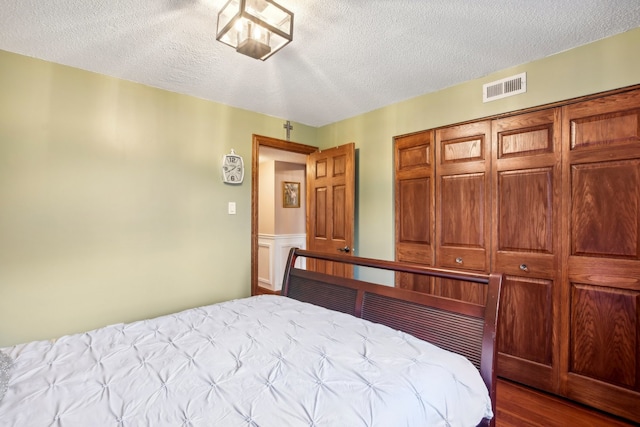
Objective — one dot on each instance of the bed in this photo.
(329, 352)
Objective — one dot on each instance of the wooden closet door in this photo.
(526, 175)
(463, 205)
(601, 289)
(414, 206)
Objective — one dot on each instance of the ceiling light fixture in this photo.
(256, 28)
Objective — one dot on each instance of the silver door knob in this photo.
(346, 249)
(459, 260)
(524, 267)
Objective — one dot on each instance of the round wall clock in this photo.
(232, 168)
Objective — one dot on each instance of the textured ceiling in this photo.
(347, 57)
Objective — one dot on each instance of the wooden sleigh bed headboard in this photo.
(461, 327)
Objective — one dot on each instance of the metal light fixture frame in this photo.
(243, 13)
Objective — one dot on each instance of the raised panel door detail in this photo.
(464, 291)
(525, 141)
(605, 209)
(414, 205)
(414, 282)
(606, 129)
(464, 199)
(525, 210)
(339, 165)
(526, 319)
(321, 168)
(414, 198)
(321, 207)
(604, 341)
(412, 157)
(339, 220)
(463, 150)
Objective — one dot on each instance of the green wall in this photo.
(607, 64)
(111, 204)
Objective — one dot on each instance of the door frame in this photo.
(279, 144)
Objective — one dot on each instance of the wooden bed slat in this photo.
(401, 315)
(326, 295)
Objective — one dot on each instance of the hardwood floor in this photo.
(519, 406)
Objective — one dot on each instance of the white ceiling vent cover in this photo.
(505, 87)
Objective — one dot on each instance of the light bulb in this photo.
(257, 32)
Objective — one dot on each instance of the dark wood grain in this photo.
(606, 204)
(601, 181)
(526, 319)
(604, 318)
(414, 205)
(462, 196)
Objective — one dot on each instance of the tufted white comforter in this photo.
(265, 361)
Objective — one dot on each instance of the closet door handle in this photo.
(346, 249)
(524, 267)
(459, 260)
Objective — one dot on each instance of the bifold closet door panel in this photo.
(602, 289)
(463, 204)
(414, 206)
(526, 180)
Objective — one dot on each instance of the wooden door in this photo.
(331, 204)
(601, 285)
(463, 205)
(414, 206)
(526, 180)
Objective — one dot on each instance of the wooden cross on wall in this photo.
(288, 127)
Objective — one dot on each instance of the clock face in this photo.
(232, 169)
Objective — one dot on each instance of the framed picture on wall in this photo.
(290, 194)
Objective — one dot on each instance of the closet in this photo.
(551, 198)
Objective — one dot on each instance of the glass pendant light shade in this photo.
(257, 28)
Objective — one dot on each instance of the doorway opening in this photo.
(287, 154)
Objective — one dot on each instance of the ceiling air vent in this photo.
(505, 87)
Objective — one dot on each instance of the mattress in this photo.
(260, 361)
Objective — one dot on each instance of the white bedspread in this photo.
(265, 361)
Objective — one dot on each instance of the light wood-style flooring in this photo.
(519, 406)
